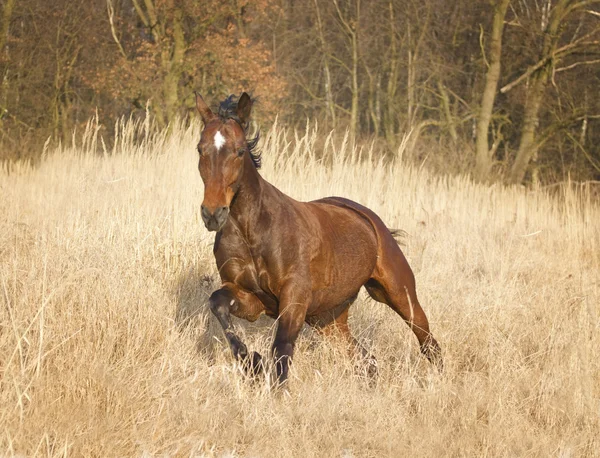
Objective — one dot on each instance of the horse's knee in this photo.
(220, 301)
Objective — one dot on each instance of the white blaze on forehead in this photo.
(219, 140)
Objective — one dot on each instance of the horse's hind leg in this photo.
(335, 324)
(393, 283)
(221, 302)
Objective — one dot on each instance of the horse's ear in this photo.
(203, 109)
(244, 107)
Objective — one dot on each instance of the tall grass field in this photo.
(107, 348)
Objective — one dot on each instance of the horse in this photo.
(296, 262)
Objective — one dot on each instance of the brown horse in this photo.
(295, 261)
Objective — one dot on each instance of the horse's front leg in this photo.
(221, 303)
(293, 305)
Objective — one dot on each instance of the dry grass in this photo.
(102, 256)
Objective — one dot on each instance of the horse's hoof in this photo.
(432, 351)
(368, 368)
(253, 365)
(372, 368)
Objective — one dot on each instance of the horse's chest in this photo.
(255, 278)
(265, 281)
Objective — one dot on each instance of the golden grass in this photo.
(102, 256)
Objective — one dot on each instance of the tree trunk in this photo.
(528, 146)
(414, 57)
(328, 92)
(6, 17)
(329, 95)
(392, 85)
(448, 112)
(4, 32)
(410, 89)
(372, 102)
(355, 89)
(484, 155)
(172, 65)
(351, 26)
(172, 51)
(239, 17)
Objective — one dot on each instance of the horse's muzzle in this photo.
(214, 220)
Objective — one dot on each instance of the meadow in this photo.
(107, 347)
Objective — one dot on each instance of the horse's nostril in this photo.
(215, 218)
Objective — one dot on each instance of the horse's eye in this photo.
(241, 151)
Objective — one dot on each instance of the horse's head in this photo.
(223, 148)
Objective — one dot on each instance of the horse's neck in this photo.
(248, 204)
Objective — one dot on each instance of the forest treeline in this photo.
(502, 89)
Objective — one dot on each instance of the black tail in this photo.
(400, 236)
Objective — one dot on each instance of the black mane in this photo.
(228, 110)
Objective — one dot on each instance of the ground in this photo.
(107, 347)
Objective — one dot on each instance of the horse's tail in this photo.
(400, 236)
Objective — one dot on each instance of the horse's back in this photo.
(378, 227)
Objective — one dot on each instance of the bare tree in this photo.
(485, 154)
(382, 69)
(166, 29)
(538, 75)
(326, 65)
(349, 20)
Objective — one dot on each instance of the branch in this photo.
(141, 14)
(560, 52)
(577, 44)
(495, 145)
(561, 126)
(579, 5)
(151, 12)
(5, 112)
(319, 98)
(590, 159)
(481, 45)
(576, 64)
(111, 15)
(525, 75)
(338, 60)
(342, 20)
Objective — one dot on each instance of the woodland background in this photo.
(505, 90)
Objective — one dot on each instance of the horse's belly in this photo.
(324, 301)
